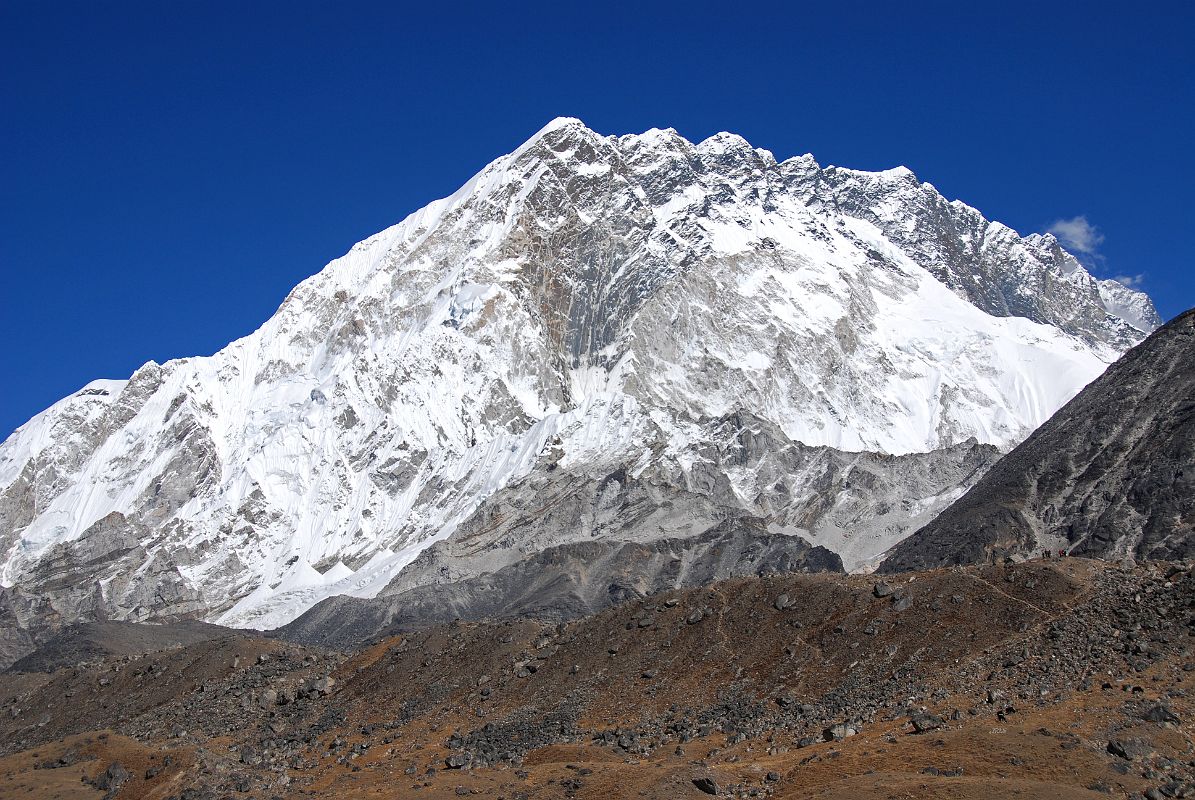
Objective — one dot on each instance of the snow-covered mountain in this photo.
(585, 307)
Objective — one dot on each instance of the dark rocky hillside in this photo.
(1112, 474)
(90, 641)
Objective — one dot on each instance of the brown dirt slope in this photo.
(1067, 679)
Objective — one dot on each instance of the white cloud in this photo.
(1083, 240)
(1078, 234)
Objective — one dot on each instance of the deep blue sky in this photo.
(168, 171)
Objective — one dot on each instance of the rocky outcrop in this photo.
(1111, 475)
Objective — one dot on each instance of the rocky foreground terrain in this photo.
(1067, 679)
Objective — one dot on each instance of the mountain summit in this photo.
(623, 338)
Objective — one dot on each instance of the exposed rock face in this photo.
(566, 582)
(1110, 475)
(584, 305)
(855, 503)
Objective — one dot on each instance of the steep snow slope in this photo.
(586, 303)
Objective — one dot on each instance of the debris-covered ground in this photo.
(1060, 679)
